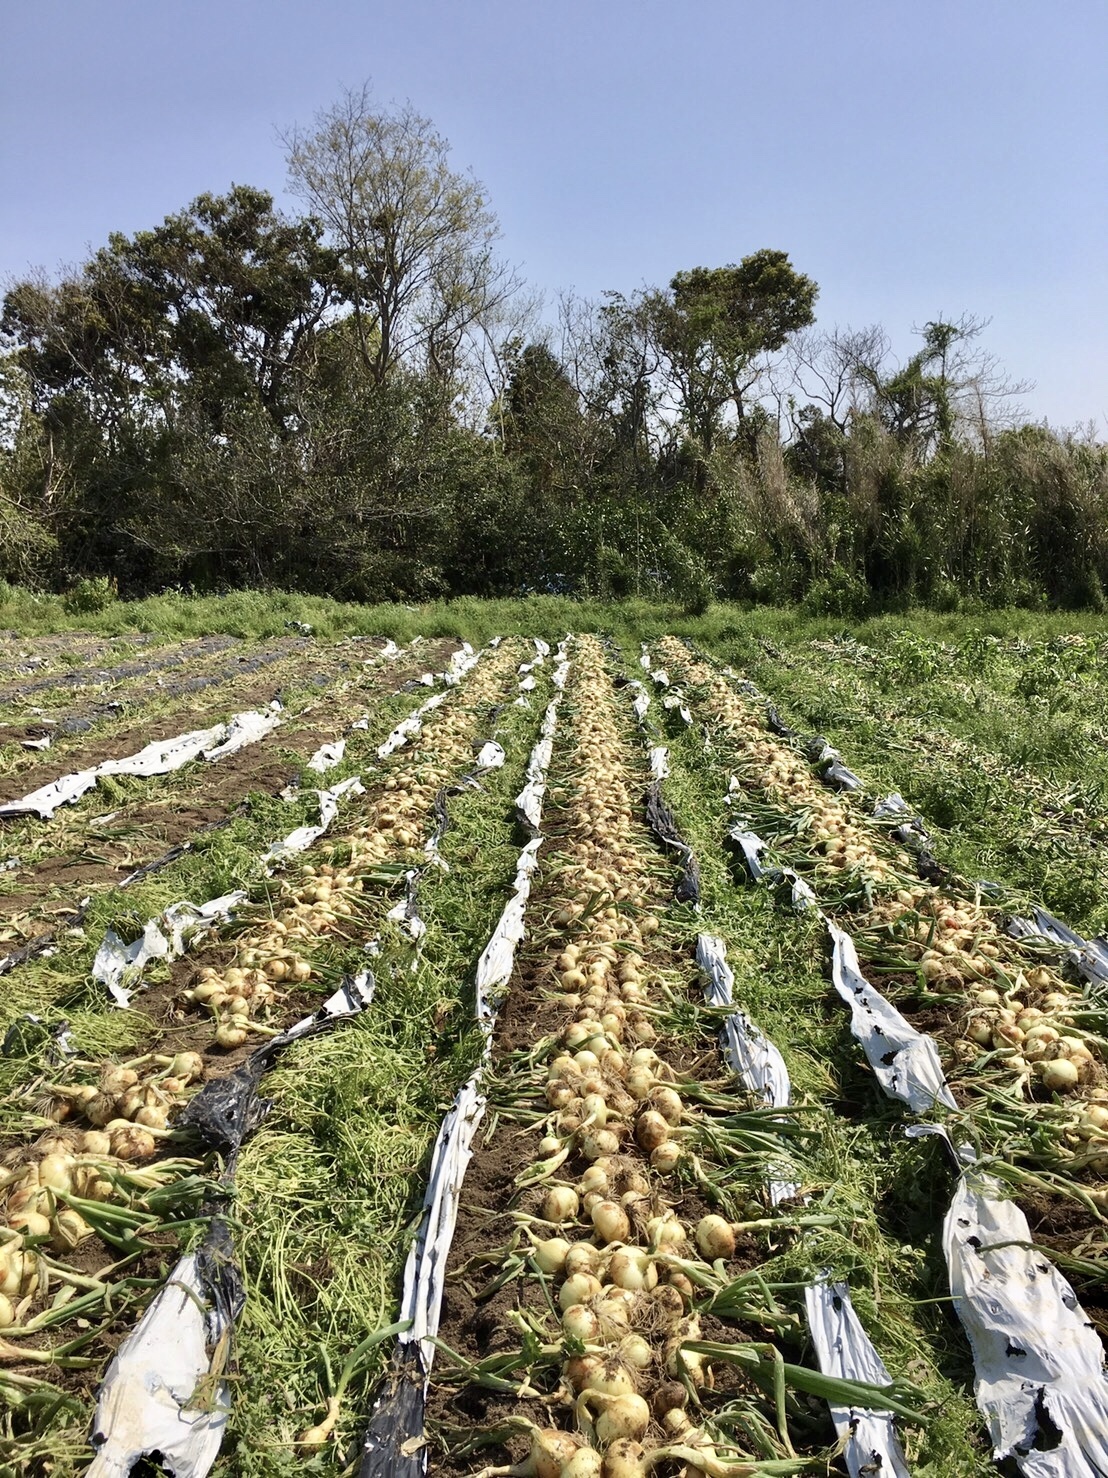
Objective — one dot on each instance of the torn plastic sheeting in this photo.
(43, 743)
(393, 1444)
(227, 1110)
(462, 660)
(144, 1403)
(408, 727)
(905, 1062)
(303, 837)
(659, 762)
(829, 762)
(751, 1054)
(1040, 1377)
(845, 1352)
(675, 700)
(660, 820)
(46, 800)
(490, 756)
(157, 758)
(245, 729)
(165, 937)
(752, 846)
(327, 756)
(1088, 956)
(143, 1406)
(529, 801)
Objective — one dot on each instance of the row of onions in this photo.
(630, 1337)
(95, 1186)
(1020, 1033)
(1037, 1354)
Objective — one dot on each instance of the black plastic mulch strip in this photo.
(397, 1412)
(88, 677)
(42, 942)
(660, 820)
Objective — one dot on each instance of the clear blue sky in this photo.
(918, 158)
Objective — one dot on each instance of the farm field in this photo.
(552, 1039)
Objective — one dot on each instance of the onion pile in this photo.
(270, 958)
(1021, 1014)
(130, 1106)
(609, 1244)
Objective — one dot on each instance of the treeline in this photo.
(363, 400)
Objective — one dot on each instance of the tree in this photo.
(414, 236)
(718, 324)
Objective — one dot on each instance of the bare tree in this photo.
(416, 237)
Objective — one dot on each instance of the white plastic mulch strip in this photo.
(843, 1348)
(394, 1440)
(164, 938)
(904, 1061)
(327, 756)
(871, 1445)
(1089, 957)
(119, 966)
(303, 837)
(1039, 1363)
(751, 1054)
(158, 758)
(144, 1407)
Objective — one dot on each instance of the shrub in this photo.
(91, 595)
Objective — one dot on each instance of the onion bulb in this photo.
(714, 1237)
(623, 1418)
(610, 1380)
(666, 1156)
(579, 1322)
(651, 1130)
(550, 1451)
(551, 1254)
(611, 1222)
(578, 1288)
(582, 1257)
(1058, 1075)
(560, 1204)
(635, 1352)
(586, 1462)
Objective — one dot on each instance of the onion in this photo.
(587, 1062)
(714, 1237)
(623, 1418)
(595, 1178)
(586, 1462)
(651, 1130)
(665, 1231)
(579, 1322)
(69, 1229)
(56, 1171)
(595, 1106)
(597, 1143)
(560, 1204)
(611, 1222)
(670, 1396)
(551, 1254)
(582, 1257)
(631, 1268)
(30, 1223)
(578, 1370)
(1058, 1075)
(666, 1156)
(626, 1459)
(550, 1145)
(550, 1450)
(563, 1066)
(668, 1103)
(635, 1352)
(578, 1289)
(668, 1306)
(611, 1380)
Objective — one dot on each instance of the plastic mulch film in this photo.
(829, 763)
(327, 756)
(528, 802)
(1039, 1363)
(844, 1350)
(178, 1352)
(1089, 957)
(751, 1054)
(394, 1445)
(163, 938)
(118, 966)
(660, 820)
(158, 758)
(905, 1062)
(304, 836)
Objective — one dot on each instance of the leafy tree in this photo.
(415, 237)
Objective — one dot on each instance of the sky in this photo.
(918, 158)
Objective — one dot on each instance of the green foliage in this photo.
(90, 595)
